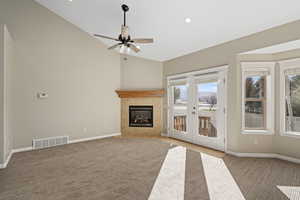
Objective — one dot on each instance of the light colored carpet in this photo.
(131, 168)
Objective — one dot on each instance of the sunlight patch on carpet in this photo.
(293, 193)
(220, 182)
(171, 179)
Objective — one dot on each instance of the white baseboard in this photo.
(94, 138)
(22, 149)
(4, 165)
(265, 155)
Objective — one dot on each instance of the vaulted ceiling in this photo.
(212, 21)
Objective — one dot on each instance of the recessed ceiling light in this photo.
(188, 20)
(70, 0)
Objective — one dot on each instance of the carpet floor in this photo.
(129, 169)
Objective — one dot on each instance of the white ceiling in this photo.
(213, 21)
(287, 46)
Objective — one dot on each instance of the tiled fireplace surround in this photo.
(141, 98)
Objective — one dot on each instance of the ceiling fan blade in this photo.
(134, 48)
(114, 46)
(106, 37)
(143, 40)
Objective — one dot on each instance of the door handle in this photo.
(193, 112)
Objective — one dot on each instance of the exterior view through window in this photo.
(180, 123)
(292, 97)
(207, 102)
(180, 94)
(255, 99)
(180, 103)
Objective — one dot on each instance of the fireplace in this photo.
(140, 116)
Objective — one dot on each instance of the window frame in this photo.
(267, 70)
(293, 64)
(182, 81)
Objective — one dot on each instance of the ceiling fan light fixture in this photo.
(125, 42)
(122, 49)
(128, 50)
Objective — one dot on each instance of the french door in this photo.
(196, 107)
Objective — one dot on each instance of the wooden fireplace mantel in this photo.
(140, 93)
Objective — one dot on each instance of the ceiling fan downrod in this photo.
(125, 9)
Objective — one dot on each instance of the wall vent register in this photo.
(50, 142)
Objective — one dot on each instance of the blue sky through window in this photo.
(255, 79)
(203, 87)
(208, 87)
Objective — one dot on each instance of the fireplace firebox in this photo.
(140, 116)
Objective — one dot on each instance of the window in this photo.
(180, 94)
(290, 98)
(257, 98)
(207, 93)
(178, 100)
(255, 101)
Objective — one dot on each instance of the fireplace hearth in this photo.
(140, 116)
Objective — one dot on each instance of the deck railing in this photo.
(206, 128)
(180, 123)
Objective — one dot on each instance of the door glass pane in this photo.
(292, 103)
(180, 94)
(254, 114)
(207, 108)
(180, 123)
(255, 87)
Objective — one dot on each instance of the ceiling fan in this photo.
(124, 40)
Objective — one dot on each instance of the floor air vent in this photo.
(50, 142)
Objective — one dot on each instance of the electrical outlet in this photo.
(85, 130)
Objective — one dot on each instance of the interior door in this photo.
(197, 109)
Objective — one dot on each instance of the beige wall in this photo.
(8, 66)
(1, 94)
(226, 54)
(75, 69)
(139, 73)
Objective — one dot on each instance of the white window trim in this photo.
(286, 65)
(249, 68)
